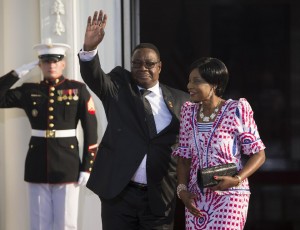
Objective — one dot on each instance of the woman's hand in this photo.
(94, 33)
(188, 200)
(252, 165)
(225, 182)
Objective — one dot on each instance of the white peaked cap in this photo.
(51, 48)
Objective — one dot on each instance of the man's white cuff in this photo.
(87, 55)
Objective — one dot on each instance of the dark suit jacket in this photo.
(126, 139)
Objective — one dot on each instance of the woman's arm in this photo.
(183, 172)
(252, 165)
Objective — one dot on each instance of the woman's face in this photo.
(198, 88)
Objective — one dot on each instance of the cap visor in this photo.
(51, 57)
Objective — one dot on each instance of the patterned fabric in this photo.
(233, 132)
(204, 127)
(219, 212)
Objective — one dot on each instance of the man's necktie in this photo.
(148, 111)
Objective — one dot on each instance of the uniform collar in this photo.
(55, 81)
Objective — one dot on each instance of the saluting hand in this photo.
(94, 33)
(26, 68)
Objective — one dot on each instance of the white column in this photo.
(22, 25)
(19, 23)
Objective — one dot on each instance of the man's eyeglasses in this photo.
(147, 64)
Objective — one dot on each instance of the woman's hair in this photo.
(213, 71)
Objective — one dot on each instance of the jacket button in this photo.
(51, 108)
(72, 146)
(52, 88)
(51, 117)
(51, 125)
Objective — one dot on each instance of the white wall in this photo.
(21, 27)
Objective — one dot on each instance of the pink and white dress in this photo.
(233, 133)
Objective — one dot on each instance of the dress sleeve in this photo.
(183, 149)
(248, 134)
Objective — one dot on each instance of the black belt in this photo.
(137, 185)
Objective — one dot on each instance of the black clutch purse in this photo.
(205, 176)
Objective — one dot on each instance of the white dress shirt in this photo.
(162, 118)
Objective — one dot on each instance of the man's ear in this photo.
(63, 63)
(160, 65)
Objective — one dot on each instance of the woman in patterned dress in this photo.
(215, 131)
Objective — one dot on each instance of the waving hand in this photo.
(94, 33)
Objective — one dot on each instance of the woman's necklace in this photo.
(211, 116)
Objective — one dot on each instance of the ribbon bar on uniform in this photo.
(52, 133)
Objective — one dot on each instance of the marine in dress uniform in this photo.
(53, 166)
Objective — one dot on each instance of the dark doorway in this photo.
(259, 41)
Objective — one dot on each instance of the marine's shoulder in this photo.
(72, 81)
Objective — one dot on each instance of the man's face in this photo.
(145, 67)
(51, 68)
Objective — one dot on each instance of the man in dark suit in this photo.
(54, 107)
(134, 173)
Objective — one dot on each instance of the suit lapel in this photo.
(168, 98)
(169, 101)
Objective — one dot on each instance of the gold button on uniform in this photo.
(51, 94)
(52, 88)
(92, 154)
(34, 103)
(51, 108)
(51, 101)
(72, 146)
(90, 169)
(67, 103)
(51, 125)
(51, 117)
(91, 162)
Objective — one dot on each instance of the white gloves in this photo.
(24, 69)
(83, 178)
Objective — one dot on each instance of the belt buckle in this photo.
(138, 185)
(50, 133)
